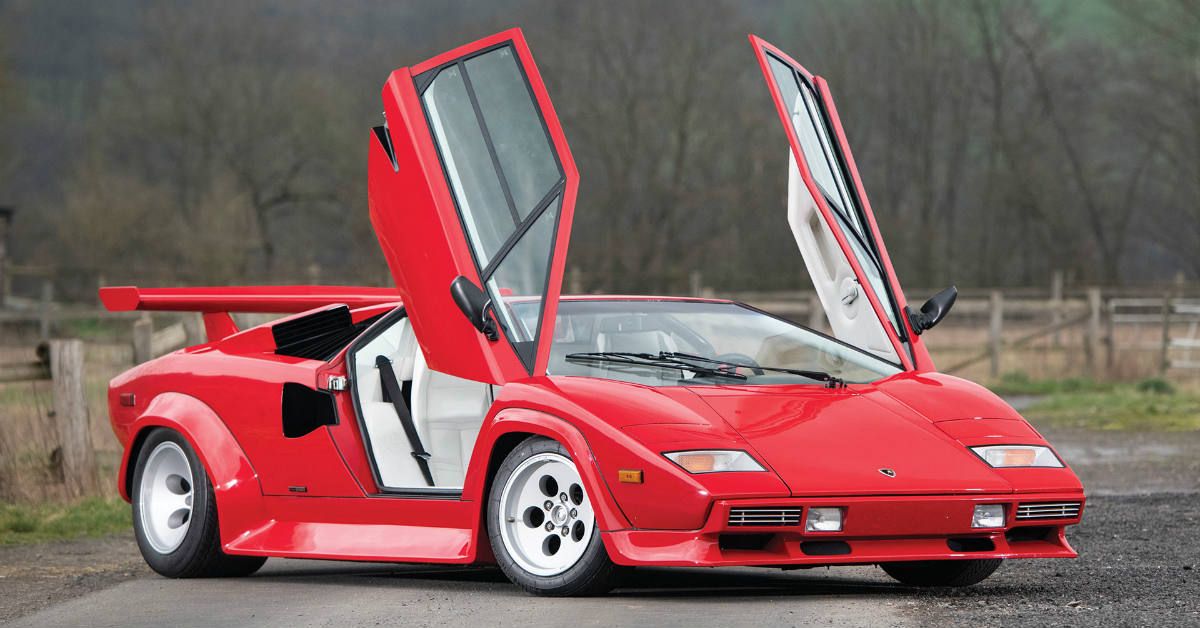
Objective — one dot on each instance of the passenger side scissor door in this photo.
(831, 220)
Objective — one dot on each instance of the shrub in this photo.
(1156, 386)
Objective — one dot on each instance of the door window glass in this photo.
(505, 176)
(522, 148)
(808, 124)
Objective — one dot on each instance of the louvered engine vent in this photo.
(320, 335)
(764, 516)
(1048, 510)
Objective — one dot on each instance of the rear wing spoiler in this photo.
(215, 303)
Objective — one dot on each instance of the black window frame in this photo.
(867, 237)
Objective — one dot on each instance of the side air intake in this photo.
(1048, 510)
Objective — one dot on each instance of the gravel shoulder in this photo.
(35, 576)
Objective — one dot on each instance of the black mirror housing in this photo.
(934, 310)
(474, 304)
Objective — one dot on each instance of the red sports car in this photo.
(472, 415)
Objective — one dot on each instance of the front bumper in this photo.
(875, 530)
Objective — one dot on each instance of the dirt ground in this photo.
(44, 574)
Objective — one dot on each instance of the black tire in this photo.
(199, 555)
(943, 573)
(593, 574)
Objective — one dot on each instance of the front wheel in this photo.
(175, 513)
(943, 573)
(542, 526)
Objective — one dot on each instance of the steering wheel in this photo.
(740, 359)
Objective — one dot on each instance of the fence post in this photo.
(44, 309)
(1056, 303)
(143, 339)
(696, 281)
(816, 312)
(1164, 363)
(575, 280)
(1091, 345)
(995, 330)
(71, 417)
(193, 329)
(1110, 337)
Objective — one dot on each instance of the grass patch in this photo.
(1018, 383)
(55, 522)
(1136, 407)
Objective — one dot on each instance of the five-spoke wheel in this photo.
(542, 525)
(165, 497)
(175, 512)
(547, 518)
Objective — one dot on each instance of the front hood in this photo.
(839, 442)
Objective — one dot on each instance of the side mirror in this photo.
(934, 310)
(474, 305)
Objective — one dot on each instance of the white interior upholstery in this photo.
(844, 300)
(447, 411)
(451, 411)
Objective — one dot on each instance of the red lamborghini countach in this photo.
(471, 414)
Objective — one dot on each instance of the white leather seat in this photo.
(388, 443)
(451, 411)
(447, 411)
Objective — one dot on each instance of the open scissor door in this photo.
(831, 220)
(472, 177)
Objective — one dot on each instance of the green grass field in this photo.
(1152, 405)
(20, 523)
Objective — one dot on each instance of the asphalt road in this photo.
(1138, 566)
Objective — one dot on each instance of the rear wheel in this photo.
(942, 573)
(175, 513)
(542, 526)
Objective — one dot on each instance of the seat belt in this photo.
(392, 387)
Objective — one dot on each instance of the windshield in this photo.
(725, 332)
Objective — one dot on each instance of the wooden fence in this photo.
(62, 362)
(1017, 319)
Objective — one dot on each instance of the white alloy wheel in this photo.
(165, 497)
(546, 518)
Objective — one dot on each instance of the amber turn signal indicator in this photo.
(630, 476)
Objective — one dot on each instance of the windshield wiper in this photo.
(821, 376)
(661, 360)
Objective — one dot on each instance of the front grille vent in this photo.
(1048, 510)
(764, 516)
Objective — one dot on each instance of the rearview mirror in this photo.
(934, 310)
(474, 305)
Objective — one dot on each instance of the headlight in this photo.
(1000, 456)
(988, 516)
(714, 460)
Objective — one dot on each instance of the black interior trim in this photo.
(395, 395)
